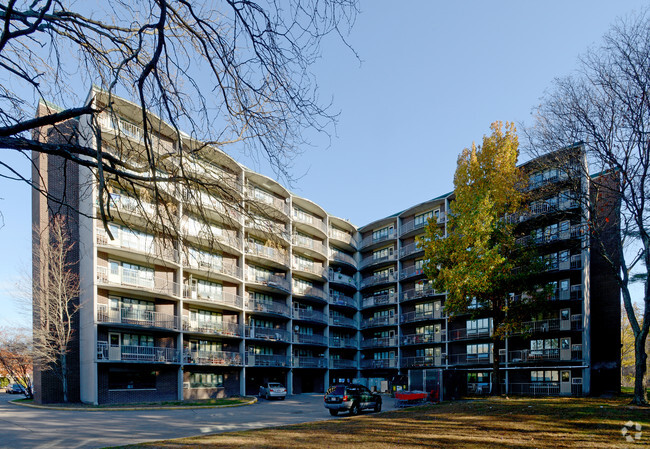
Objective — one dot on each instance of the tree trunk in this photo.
(640, 356)
(496, 371)
(64, 376)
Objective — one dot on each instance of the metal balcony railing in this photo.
(379, 321)
(131, 278)
(309, 362)
(214, 358)
(309, 315)
(382, 342)
(342, 300)
(418, 339)
(552, 324)
(371, 240)
(340, 278)
(309, 339)
(158, 249)
(470, 359)
(415, 316)
(343, 364)
(141, 354)
(469, 334)
(410, 272)
(268, 334)
(213, 265)
(423, 361)
(372, 259)
(342, 321)
(411, 248)
(210, 327)
(337, 256)
(160, 144)
(378, 279)
(270, 280)
(380, 363)
(266, 199)
(339, 342)
(267, 226)
(211, 233)
(533, 355)
(267, 360)
(311, 292)
(223, 298)
(408, 295)
(144, 318)
(379, 300)
(274, 307)
(305, 242)
(316, 269)
(411, 225)
(533, 389)
(211, 202)
(267, 252)
(310, 220)
(341, 236)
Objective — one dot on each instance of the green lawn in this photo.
(495, 423)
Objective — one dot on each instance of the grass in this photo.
(196, 403)
(630, 390)
(493, 422)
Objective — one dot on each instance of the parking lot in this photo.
(24, 427)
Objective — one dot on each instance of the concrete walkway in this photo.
(24, 427)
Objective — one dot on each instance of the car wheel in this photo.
(377, 407)
(334, 412)
(355, 409)
(282, 398)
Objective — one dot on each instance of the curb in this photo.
(252, 400)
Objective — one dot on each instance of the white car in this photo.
(273, 390)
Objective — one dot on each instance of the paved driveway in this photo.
(23, 427)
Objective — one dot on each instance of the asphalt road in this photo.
(25, 427)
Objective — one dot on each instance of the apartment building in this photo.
(277, 289)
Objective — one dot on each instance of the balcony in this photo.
(278, 361)
(129, 278)
(269, 280)
(378, 300)
(469, 334)
(342, 321)
(216, 358)
(309, 362)
(131, 243)
(373, 260)
(342, 300)
(310, 220)
(343, 279)
(378, 321)
(208, 202)
(378, 364)
(414, 317)
(338, 256)
(533, 355)
(378, 279)
(316, 270)
(275, 308)
(408, 295)
(424, 361)
(268, 227)
(410, 249)
(371, 240)
(418, 339)
(533, 389)
(137, 354)
(311, 292)
(263, 200)
(213, 328)
(135, 133)
(212, 265)
(307, 243)
(339, 342)
(309, 315)
(343, 364)
(341, 236)
(132, 317)
(383, 342)
(223, 298)
(268, 334)
(470, 359)
(212, 234)
(309, 339)
(411, 226)
(276, 255)
(537, 326)
(410, 272)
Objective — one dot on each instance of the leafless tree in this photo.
(16, 357)
(606, 106)
(55, 301)
(229, 73)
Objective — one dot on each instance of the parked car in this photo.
(351, 398)
(273, 390)
(15, 389)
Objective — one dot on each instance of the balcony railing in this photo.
(379, 300)
(418, 339)
(267, 226)
(382, 342)
(533, 355)
(209, 327)
(270, 280)
(415, 316)
(339, 342)
(142, 354)
(211, 202)
(158, 249)
(267, 360)
(130, 278)
(410, 272)
(338, 256)
(310, 220)
(316, 269)
(309, 362)
(309, 315)
(135, 133)
(341, 236)
(342, 300)
(213, 265)
(342, 321)
(268, 334)
(268, 200)
(409, 249)
(423, 361)
(222, 298)
(343, 364)
(371, 240)
(211, 233)
(468, 334)
(371, 260)
(311, 292)
(144, 318)
(305, 242)
(378, 364)
(378, 279)
(215, 358)
(341, 278)
(267, 252)
(533, 389)
(309, 339)
(274, 307)
(411, 225)
(408, 295)
(470, 359)
(379, 321)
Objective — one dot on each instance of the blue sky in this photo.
(433, 76)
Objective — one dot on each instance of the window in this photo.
(383, 233)
(262, 195)
(128, 273)
(301, 285)
(544, 376)
(261, 297)
(203, 317)
(421, 286)
(428, 352)
(205, 260)
(550, 261)
(258, 273)
(478, 377)
(427, 330)
(384, 355)
(207, 289)
(383, 313)
(256, 322)
(260, 350)
(304, 330)
(383, 253)
(137, 340)
(419, 265)
(303, 263)
(423, 309)
(385, 273)
(550, 233)
(205, 346)
(422, 219)
(481, 350)
(541, 345)
(206, 380)
(480, 326)
(131, 379)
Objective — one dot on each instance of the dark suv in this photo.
(351, 398)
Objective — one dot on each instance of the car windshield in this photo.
(274, 385)
(337, 389)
